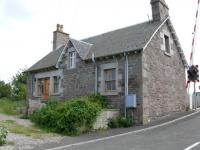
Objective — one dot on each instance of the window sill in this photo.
(71, 68)
(110, 93)
(168, 54)
(38, 96)
(55, 94)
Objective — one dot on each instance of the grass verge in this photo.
(9, 107)
(33, 131)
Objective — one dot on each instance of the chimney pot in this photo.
(59, 37)
(160, 10)
(58, 27)
(61, 28)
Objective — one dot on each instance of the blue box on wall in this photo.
(131, 101)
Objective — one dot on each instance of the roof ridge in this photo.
(115, 30)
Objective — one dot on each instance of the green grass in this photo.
(33, 131)
(9, 107)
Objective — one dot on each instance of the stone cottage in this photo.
(145, 60)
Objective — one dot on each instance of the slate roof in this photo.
(126, 39)
(81, 47)
(50, 60)
(115, 42)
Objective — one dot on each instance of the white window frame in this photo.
(40, 87)
(102, 87)
(167, 43)
(163, 34)
(72, 59)
(58, 84)
(112, 80)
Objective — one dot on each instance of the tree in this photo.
(5, 89)
(19, 88)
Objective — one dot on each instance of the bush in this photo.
(19, 88)
(5, 89)
(113, 123)
(98, 98)
(125, 122)
(3, 135)
(46, 116)
(71, 117)
(121, 122)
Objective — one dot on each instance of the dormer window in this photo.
(72, 59)
(167, 45)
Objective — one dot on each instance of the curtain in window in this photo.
(110, 79)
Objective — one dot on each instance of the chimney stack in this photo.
(160, 10)
(59, 37)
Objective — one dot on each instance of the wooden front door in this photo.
(46, 89)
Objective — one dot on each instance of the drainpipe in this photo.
(126, 83)
(96, 72)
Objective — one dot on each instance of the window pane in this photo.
(40, 87)
(110, 79)
(72, 59)
(56, 84)
(110, 74)
(113, 85)
(167, 48)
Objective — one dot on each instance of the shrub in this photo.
(5, 89)
(98, 98)
(120, 122)
(19, 88)
(46, 116)
(71, 117)
(125, 122)
(112, 123)
(3, 135)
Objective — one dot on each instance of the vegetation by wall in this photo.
(71, 117)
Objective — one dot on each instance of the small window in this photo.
(110, 79)
(40, 87)
(55, 84)
(72, 60)
(167, 46)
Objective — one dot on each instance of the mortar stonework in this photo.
(164, 90)
(80, 81)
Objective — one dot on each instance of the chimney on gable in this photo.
(59, 37)
(160, 10)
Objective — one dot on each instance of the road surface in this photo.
(181, 135)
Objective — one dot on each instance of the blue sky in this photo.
(26, 26)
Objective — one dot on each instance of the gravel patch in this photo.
(23, 122)
(22, 142)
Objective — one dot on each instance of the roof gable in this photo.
(81, 47)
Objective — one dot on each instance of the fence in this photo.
(195, 101)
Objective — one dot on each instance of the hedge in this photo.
(71, 117)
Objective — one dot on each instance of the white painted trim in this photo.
(155, 33)
(60, 57)
(192, 146)
(124, 134)
(177, 43)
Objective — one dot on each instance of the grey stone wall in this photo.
(159, 10)
(59, 38)
(32, 94)
(164, 90)
(30, 87)
(80, 81)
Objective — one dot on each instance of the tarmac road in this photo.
(181, 135)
